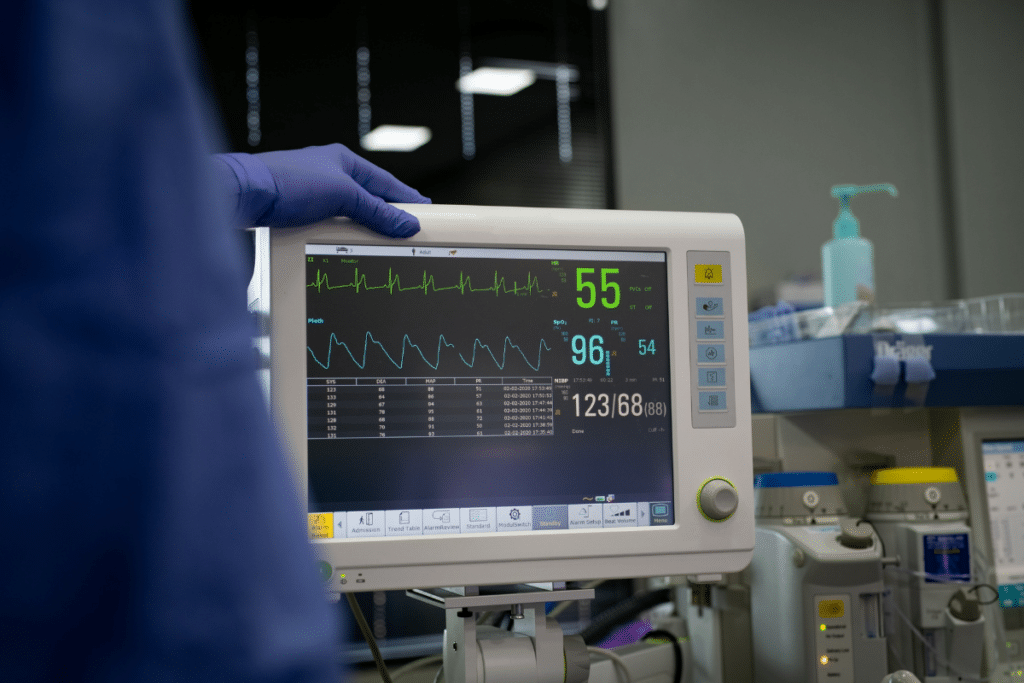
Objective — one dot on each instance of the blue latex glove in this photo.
(301, 186)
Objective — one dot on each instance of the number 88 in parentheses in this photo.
(656, 408)
(611, 405)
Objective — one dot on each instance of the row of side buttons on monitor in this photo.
(710, 324)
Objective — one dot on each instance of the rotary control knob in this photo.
(718, 499)
(855, 535)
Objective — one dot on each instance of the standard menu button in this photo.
(476, 520)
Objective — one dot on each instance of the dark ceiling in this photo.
(308, 89)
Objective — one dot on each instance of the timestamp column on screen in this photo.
(527, 406)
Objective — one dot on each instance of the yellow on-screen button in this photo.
(321, 525)
(707, 274)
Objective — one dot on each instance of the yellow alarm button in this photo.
(831, 609)
(321, 525)
(707, 274)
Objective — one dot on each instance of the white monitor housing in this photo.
(986, 445)
(514, 395)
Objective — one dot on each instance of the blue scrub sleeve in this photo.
(301, 186)
(150, 526)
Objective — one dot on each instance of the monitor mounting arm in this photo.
(475, 653)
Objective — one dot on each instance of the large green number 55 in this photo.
(591, 288)
(606, 285)
(582, 286)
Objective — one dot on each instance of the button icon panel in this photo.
(711, 340)
(475, 520)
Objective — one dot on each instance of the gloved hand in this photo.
(296, 187)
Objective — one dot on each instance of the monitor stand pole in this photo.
(534, 651)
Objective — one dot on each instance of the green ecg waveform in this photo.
(427, 285)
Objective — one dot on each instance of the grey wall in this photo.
(985, 59)
(759, 108)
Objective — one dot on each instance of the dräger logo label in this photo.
(903, 351)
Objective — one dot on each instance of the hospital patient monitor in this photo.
(514, 395)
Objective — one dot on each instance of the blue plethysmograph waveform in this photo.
(442, 343)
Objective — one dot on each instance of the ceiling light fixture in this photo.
(489, 80)
(395, 138)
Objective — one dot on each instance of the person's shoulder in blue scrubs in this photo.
(149, 529)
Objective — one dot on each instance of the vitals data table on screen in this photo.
(366, 407)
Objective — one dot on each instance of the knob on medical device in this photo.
(901, 676)
(855, 534)
(718, 499)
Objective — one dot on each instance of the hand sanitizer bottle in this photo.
(847, 260)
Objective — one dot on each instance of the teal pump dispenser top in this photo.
(847, 260)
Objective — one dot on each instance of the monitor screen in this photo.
(514, 395)
(1004, 488)
(530, 372)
